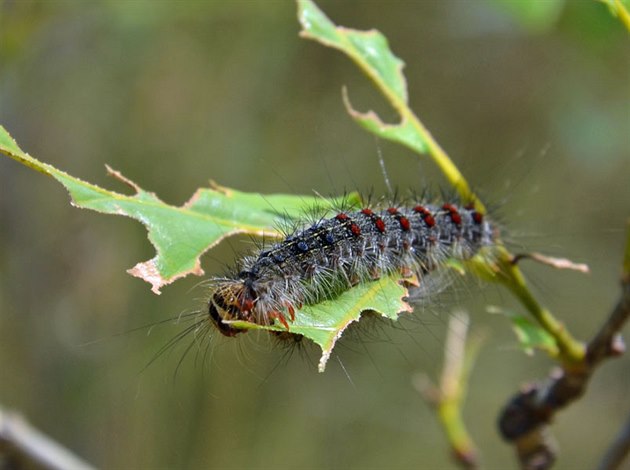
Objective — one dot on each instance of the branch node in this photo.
(537, 450)
(617, 346)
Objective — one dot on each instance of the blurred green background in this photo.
(534, 109)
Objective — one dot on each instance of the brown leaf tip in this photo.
(118, 175)
(149, 272)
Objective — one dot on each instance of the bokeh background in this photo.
(532, 107)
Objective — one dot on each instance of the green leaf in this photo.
(531, 336)
(403, 133)
(370, 51)
(325, 322)
(180, 234)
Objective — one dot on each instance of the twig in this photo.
(618, 450)
(525, 419)
(570, 350)
(557, 263)
(22, 446)
(459, 356)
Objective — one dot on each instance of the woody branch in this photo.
(525, 419)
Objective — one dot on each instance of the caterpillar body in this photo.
(330, 256)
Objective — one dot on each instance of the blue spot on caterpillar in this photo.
(332, 255)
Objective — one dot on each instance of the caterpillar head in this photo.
(231, 301)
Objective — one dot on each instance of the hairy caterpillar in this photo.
(333, 254)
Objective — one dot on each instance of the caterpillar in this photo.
(320, 261)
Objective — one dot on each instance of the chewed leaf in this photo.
(325, 322)
(371, 52)
(369, 49)
(180, 234)
(531, 336)
(403, 133)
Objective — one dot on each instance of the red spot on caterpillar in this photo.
(453, 213)
(341, 217)
(355, 229)
(421, 210)
(378, 222)
(477, 217)
(429, 220)
(426, 215)
(402, 220)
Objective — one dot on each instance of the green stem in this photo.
(434, 150)
(437, 153)
(449, 413)
(461, 351)
(622, 13)
(572, 351)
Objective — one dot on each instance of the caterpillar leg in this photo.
(291, 310)
(280, 317)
